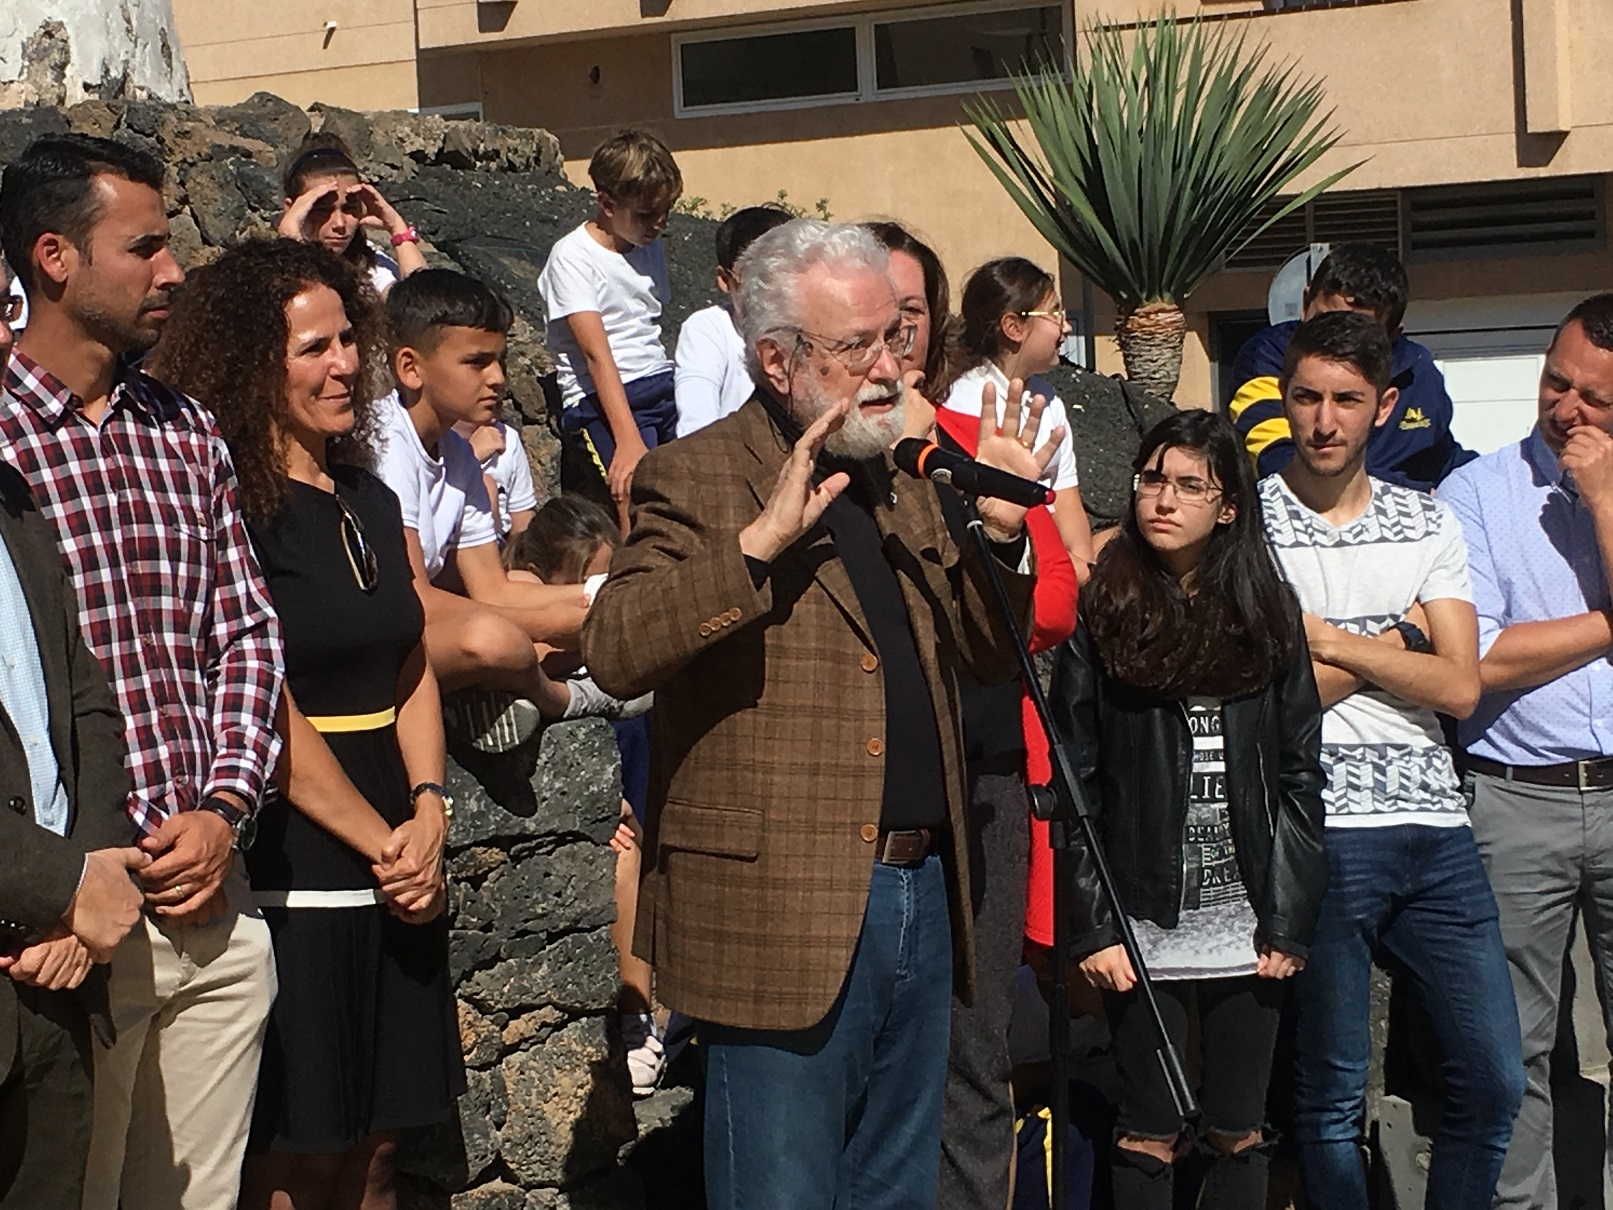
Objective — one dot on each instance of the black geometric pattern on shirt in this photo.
(1396, 515)
(1383, 779)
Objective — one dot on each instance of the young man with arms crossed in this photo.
(1381, 573)
(141, 492)
(1538, 752)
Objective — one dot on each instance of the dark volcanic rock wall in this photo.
(549, 1109)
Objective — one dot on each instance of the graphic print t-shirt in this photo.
(1385, 758)
(1214, 936)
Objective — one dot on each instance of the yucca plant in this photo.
(1157, 156)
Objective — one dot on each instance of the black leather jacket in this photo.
(1132, 752)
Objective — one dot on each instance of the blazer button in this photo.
(870, 661)
(869, 832)
(735, 613)
(705, 630)
(876, 747)
(19, 805)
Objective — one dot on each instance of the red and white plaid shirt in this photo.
(171, 599)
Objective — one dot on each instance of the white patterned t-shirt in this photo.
(1214, 937)
(1385, 759)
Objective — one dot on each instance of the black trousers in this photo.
(977, 1130)
(1238, 1020)
(45, 1104)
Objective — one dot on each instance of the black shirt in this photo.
(915, 792)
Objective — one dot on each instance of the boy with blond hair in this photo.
(603, 289)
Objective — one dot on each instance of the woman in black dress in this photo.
(284, 343)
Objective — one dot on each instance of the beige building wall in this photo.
(1427, 92)
(237, 47)
(906, 159)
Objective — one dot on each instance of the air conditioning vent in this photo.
(1559, 214)
(1345, 217)
(1357, 217)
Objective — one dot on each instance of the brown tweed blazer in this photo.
(766, 767)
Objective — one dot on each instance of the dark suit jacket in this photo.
(39, 871)
(766, 769)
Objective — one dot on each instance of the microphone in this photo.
(926, 460)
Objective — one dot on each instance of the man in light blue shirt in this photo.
(1538, 519)
(22, 697)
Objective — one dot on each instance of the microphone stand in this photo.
(1065, 809)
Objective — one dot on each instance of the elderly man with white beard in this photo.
(802, 614)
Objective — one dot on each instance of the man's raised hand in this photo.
(797, 502)
(1011, 446)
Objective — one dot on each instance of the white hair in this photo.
(767, 302)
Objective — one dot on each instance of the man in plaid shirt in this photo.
(139, 485)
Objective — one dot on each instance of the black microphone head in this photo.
(909, 452)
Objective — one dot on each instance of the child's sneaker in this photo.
(490, 721)
(588, 700)
(645, 1057)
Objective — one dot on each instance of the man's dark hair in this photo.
(1595, 316)
(423, 303)
(1370, 277)
(735, 233)
(1346, 338)
(49, 188)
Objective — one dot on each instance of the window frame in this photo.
(863, 26)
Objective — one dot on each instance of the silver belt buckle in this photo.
(1583, 768)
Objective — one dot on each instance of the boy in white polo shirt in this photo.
(483, 630)
(1381, 574)
(603, 288)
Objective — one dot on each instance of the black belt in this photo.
(1574, 774)
(904, 848)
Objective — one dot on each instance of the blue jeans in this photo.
(652, 401)
(846, 1114)
(1420, 894)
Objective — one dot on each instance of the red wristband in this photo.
(407, 236)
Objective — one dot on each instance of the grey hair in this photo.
(766, 303)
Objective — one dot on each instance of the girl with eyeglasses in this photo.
(284, 343)
(1187, 697)
(1010, 330)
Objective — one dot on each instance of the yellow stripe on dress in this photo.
(354, 722)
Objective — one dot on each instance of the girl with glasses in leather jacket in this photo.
(1188, 698)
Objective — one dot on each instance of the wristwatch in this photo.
(1412, 635)
(243, 827)
(407, 236)
(431, 787)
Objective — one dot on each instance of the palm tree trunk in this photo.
(1151, 338)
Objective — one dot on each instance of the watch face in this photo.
(245, 833)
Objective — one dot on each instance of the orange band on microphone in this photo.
(924, 456)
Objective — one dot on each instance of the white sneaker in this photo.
(490, 721)
(588, 700)
(645, 1056)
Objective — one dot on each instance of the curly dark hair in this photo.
(1240, 628)
(225, 346)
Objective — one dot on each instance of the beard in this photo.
(122, 333)
(862, 436)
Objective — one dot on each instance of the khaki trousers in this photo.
(174, 1092)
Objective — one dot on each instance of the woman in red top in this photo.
(1002, 742)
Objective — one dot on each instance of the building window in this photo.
(790, 66)
(974, 48)
(869, 58)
